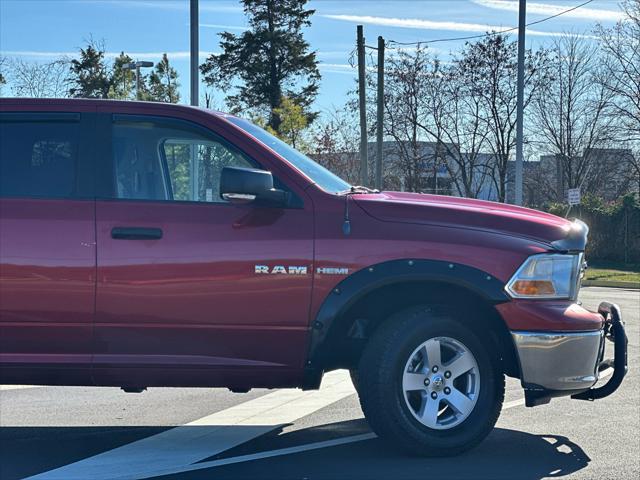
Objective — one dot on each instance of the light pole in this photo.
(522, 19)
(195, 50)
(136, 66)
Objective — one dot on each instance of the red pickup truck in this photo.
(148, 245)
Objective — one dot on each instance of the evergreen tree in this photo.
(122, 82)
(269, 61)
(89, 77)
(163, 82)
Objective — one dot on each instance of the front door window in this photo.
(153, 161)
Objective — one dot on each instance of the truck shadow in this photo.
(507, 454)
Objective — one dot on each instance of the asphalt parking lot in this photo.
(103, 433)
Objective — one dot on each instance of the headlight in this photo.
(547, 276)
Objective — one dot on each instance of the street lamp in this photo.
(193, 75)
(522, 25)
(136, 66)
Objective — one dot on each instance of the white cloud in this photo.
(36, 54)
(344, 66)
(546, 9)
(176, 55)
(223, 27)
(341, 72)
(169, 5)
(332, 53)
(420, 24)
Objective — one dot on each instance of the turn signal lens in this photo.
(533, 288)
(547, 275)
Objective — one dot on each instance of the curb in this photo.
(604, 283)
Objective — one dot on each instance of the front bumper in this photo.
(557, 364)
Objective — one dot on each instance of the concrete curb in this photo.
(604, 283)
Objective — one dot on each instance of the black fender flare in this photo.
(357, 285)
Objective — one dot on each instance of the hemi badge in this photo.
(332, 271)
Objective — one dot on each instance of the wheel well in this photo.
(351, 329)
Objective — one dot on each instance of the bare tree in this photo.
(570, 113)
(453, 119)
(334, 143)
(404, 111)
(621, 76)
(489, 69)
(39, 80)
(434, 118)
(208, 100)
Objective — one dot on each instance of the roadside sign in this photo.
(573, 196)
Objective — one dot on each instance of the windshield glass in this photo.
(321, 176)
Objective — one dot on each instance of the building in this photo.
(427, 167)
(605, 172)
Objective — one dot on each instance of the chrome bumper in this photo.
(559, 364)
(559, 361)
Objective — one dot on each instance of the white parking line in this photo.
(180, 447)
(18, 387)
(513, 403)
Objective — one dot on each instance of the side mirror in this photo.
(245, 185)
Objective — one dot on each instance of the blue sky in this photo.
(41, 30)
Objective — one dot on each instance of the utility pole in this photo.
(195, 52)
(522, 19)
(380, 113)
(364, 173)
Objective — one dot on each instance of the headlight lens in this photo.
(546, 276)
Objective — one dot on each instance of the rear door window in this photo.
(40, 156)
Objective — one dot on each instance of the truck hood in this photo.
(455, 212)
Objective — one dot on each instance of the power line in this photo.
(488, 34)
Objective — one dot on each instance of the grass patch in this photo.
(613, 272)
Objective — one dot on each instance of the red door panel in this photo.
(47, 282)
(192, 298)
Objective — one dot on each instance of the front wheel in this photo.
(428, 384)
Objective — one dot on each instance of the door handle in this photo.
(136, 233)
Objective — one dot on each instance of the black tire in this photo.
(381, 394)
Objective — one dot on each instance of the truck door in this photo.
(179, 298)
(47, 247)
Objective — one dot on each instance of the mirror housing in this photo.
(246, 185)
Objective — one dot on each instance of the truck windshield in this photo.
(317, 173)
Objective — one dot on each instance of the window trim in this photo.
(41, 117)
